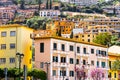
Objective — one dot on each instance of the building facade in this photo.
(15, 38)
(49, 13)
(62, 55)
(114, 54)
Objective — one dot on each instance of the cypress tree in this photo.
(50, 4)
(39, 3)
(47, 4)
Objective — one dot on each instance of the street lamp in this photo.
(63, 71)
(20, 56)
(47, 64)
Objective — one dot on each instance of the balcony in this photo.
(55, 64)
(102, 56)
(85, 54)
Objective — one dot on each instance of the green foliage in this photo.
(37, 74)
(50, 4)
(102, 38)
(22, 4)
(1, 73)
(71, 35)
(37, 22)
(39, 3)
(114, 40)
(47, 4)
(116, 64)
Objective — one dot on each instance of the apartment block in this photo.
(59, 56)
(13, 39)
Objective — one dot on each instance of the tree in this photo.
(81, 75)
(114, 40)
(50, 4)
(1, 73)
(14, 72)
(39, 3)
(38, 22)
(102, 38)
(116, 64)
(37, 74)
(97, 74)
(71, 35)
(47, 4)
(22, 4)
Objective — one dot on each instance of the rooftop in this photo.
(71, 40)
(114, 50)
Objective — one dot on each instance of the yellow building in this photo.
(114, 53)
(15, 38)
(91, 32)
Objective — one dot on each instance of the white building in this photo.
(49, 13)
(81, 2)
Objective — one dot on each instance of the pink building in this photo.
(64, 54)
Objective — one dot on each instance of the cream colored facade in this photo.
(15, 38)
(64, 53)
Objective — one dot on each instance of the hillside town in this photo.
(59, 40)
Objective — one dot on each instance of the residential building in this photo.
(63, 55)
(81, 2)
(6, 14)
(49, 13)
(114, 54)
(91, 32)
(26, 13)
(111, 22)
(13, 39)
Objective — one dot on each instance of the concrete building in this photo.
(63, 55)
(49, 13)
(15, 38)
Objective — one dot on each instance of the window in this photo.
(84, 50)
(103, 64)
(54, 72)
(63, 47)
(92, 51)
(71, 73)
(3, 46)
(3, 34)
(12, 33)
(71, 61)
(88, 35)
(41, 47)
(2, 60)
(92, 62)
(114, 75)
(41, 65)
(97, 63)
(54, 46)
(110, 64)
(62, 73)
(55, 59)
(78, 49)
(12, 60)
(63, 59)
(12, 46)
(71, 48)
(88, 40)
(84, 62)
(77, 61)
